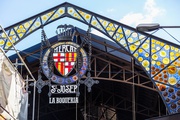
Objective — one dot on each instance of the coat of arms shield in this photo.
(64, 61)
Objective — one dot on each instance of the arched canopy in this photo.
(159, 58)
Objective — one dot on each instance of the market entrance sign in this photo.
(65, 57)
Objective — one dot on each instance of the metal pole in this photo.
(34, 95)
(28, 94)
(7, 112)
(85, 114)
(133, 92)
(169, 26)
(159, 106)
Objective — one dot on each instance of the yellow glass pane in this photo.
(140, 50)
(20, 35)
(87, 17)
(56, 15)
(146, 54)
(105, 23)
(172, 47)
(166, 60)
(172, 58)
(18, 31)
(145, 63)
(145, 46)
(162, 44)
(108, 28)
(44, 17)
(140, 59)
(137, 43)
(158, 42)
(154, 57)
(2, 42)
(172, 69)
(26, 25)
(153, 62)
(127, 32)
(166, 47)
(136, 55)
(132, 47)
(94, 22)
(134, 35)
(177, 54)
(172, 80)
(118, 39)
(20, 26)
(82, 13)
(113, 29)
(153, 45)
(3, 35)
(61, 11)
(153, 50)
(176, 49)
(121, 36)
(75, 15)
(163, 53)
(158, 63)
(130, 40)
(71, 11)
(147, 68)
(37, 23)
(23, 30)
(153, 41)
(10, 37)
(49, 14)
(12, 33)
(110, 24)
(120, 30)
(8, 44)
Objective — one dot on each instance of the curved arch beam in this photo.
(159, 58)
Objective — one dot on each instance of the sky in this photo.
(129, 12)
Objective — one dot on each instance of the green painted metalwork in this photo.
(159, 58)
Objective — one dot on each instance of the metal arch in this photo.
(159, 58)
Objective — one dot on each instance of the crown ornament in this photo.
(65, 32)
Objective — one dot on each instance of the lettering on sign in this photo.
(63, 89)
(62, 100)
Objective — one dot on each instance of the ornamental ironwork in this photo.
(158, 57)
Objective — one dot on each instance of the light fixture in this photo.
(152, 26)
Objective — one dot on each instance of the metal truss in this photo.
(107, 102)
(115, 102)
(159, 58)
(107, 113)
(118, 73)
(107, 67)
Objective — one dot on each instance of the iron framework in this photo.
(159, 58)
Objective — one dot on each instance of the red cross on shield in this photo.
(64, 62)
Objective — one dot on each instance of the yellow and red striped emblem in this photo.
(65, 62)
